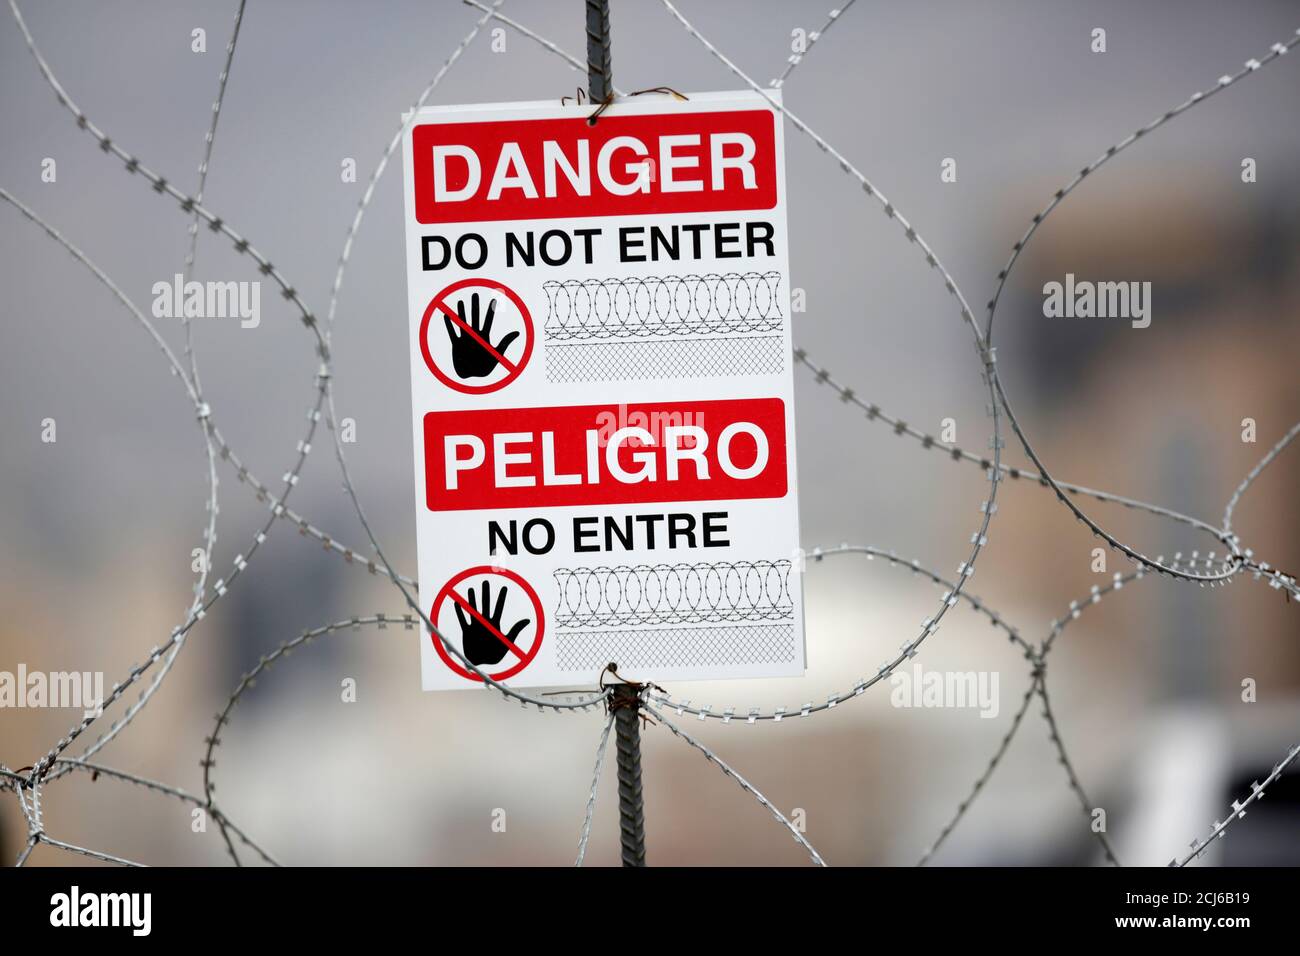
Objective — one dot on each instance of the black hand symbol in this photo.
(478, 642)
(469, 356)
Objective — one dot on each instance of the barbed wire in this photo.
(249, 680)
(576, 64)
(197, 608)
(988, 507)
(1254, 473)
(243, 246)
(797, 57)
(874, 412)
(84, 851)
(210, 535)
(1054, 735)
(188, 205)
(595, 784)
(97, 769)
(899, 427)
(984, 342)
(32, 813)
(209, 140)
(1211, 569)
(382, 165)
(28, 847)
(1217, 829)
(982, 780)
(289, 293)
(744, 784)
(1251, 66)
(210, 532)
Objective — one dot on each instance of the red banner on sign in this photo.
(605, 454)
(621, 166)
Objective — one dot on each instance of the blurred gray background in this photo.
(96, 530)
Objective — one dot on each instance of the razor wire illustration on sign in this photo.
(649, 306)
(706, 593)
(675, 595)
(671, 327)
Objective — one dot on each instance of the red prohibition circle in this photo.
(445, 594)
(440, 300)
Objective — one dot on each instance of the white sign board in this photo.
(602, 390)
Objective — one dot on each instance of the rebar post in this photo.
(626, 702)
(600, 77)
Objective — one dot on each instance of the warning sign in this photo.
(602, 391)
(483, 637)
(472, 358)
